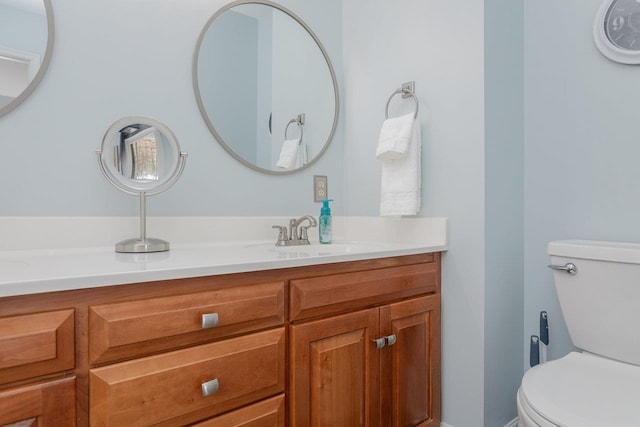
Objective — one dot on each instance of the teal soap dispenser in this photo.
(325, 222)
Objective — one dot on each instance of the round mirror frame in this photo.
(200, 102)
(130, 186)
(43, 65)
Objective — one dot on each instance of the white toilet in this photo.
(600, 301)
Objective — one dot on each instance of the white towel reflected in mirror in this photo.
(293, 155)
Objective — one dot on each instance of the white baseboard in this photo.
(512, 423)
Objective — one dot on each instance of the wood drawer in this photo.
(51, 404)
(268, 413)
(167, 389)
(135, 328)
(337, 293)
(32, 345)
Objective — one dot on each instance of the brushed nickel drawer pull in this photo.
(210, 387)
(209, 320)
(380, 342)
(391, 339)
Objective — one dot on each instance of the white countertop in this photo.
(30, 271)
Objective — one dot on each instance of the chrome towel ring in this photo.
(299, 120)
(406, 92)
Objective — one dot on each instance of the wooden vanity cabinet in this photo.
(266, 413)
(36, 344)
(293, 347)
(45, 404)
(334, 371)
(378, 366)
(133, 328)
(139, 354)
(37, 356)
(178, 385)
(410, 366)
(171, 388)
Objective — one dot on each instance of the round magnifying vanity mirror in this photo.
(265, 86)
(141, 156)
(26, 46)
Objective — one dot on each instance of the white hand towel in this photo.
(395, 136)
(402, 179)
(289, 154)
(302, 158)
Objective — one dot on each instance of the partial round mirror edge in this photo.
(216, 135)
(44, 65)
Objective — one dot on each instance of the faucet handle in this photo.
(282, 235)
(304, 236)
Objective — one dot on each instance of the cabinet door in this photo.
(49, 404)
(334, 371)
(410, 367)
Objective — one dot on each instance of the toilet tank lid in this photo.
(596, 250)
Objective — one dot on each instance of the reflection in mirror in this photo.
(138, 150)
(140, 154)
(142, 157)
(258, 69)
(26, 45)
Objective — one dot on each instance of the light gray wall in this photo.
(504, 202)
(582, 145)
(108, 64)
(440, 46)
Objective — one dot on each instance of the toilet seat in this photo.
(527, 416)
(581, 390)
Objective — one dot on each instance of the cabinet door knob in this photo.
(380, 342)
(391, 339)
(209, 320)
(210, 387)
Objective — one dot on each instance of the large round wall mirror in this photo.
(265, 86)
(26, 46)
(141, 156)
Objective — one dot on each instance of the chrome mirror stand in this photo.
(143, 244)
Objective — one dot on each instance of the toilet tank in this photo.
(601, 301)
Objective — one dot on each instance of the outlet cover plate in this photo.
(320, 188)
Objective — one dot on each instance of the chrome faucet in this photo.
(298, 234)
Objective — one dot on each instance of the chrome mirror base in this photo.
(142, 246)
